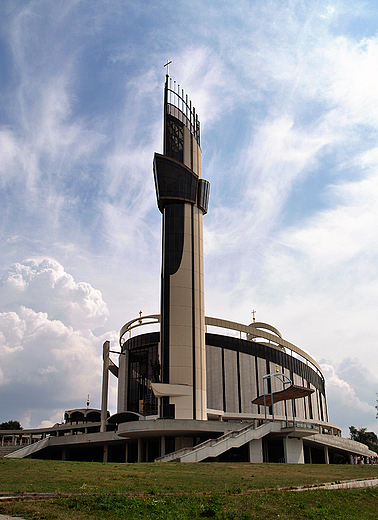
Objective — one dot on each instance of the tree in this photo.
(10, 425)
(368, 438)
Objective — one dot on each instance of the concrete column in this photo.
(105, 385)
(162, 446)
(106, 453)
(255, 449)
(140, 455)
(294, 452)
(13, 440)
(326, 455)
(178, 443)
(146, 451)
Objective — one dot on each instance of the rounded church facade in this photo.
(238, 358)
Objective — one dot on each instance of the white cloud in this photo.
(9, 155)
(48, 370)
(50, 359)
(338, 238)
(45, 344)
(279, 155)
(340, 391)
(3, 379)
(353, 80)
(47, 287)
(350, 388)
(207, 82)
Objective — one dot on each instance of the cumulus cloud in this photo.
(49, 357)
(45, 285)
(35, 346)
(351, 394)
(346, 395)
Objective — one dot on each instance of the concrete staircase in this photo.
(6, 450)
(21, 453)
(215, 447)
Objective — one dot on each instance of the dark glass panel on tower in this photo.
(143, 363)
(173, 181)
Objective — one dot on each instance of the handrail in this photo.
(141, 322)
(209, 442)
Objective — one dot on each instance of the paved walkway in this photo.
(347, 484)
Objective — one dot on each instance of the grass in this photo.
(90, 490)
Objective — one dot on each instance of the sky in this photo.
(286, 92)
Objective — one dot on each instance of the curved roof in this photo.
(253, 331)
(122, 417)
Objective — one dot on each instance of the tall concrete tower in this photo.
(182, 197)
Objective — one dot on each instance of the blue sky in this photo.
(287, 97)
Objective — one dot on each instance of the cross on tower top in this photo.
(167, 65)
(253, 314)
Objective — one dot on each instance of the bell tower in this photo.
(182, 197)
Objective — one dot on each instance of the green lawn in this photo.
(184, 491)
